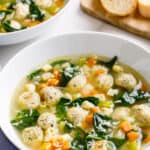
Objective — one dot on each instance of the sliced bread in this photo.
(119, 7)
(144, 8)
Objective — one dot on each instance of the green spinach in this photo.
(102, 125)
(68, 73)
(61, 108)
(109, 63)
(130, 98)
(35, 74)
(4, 13)
(6, 25)
(25, 118)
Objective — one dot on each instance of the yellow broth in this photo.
(21, 14)
(88, 102)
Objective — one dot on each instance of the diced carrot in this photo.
(85, 125)
(144, 87)
(42, 85)
(125, 126)
(59, 3)
(132, 136)
(147, 139)
(53, 82)
(91, 62)
(145, 130)
(33, 23)
(95, 109)
(99, 72)
(56, 74)
(89, 118)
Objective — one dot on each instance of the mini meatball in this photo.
(121, 113)
(99, 145)
(77, 83)
(51, 95)
(105, 82)
(22, 10)
(142, 114)
(32, 135)
(126, 81)
(46, 120)
(76, 115)
(44, 3)
(29, 100)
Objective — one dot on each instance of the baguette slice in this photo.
(119, 7)
(144, 8)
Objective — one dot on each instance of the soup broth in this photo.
(83, 103)
(21, 14)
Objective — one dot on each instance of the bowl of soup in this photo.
(89, 92)
(25, 19)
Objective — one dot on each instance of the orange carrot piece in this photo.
(42, 85)
(125, 126)
(95, 109)
(144, 87)
(91, 62)
(99, 72)
(132, 136)
(89, 118)
(33, 23)
(147, 139)
(53, 82)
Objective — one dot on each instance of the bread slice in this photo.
(119, 7)
(144, 8)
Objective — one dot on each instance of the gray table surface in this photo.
(72, 20)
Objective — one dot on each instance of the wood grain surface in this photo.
(133, 23)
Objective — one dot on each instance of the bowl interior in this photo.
(69, 44)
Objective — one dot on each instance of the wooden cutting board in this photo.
(133, 23)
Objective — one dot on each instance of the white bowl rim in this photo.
(39, 25)
(133, 42)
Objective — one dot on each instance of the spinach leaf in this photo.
(35, 11)
(118, 142)
(6, 25)
(12, 6)
(130, 98)
(61, 108)
(68, 127)
(68, 73)
(102, 125)
(79, 101)
(4, 13)
(59, 62)
(25, 118)
(79, 141)
(35, 74)
(93, 136)
(109, 63)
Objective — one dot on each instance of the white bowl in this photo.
(67, 44)
(30, 33)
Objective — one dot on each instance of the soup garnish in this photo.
(86, 103)
(21, 14)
